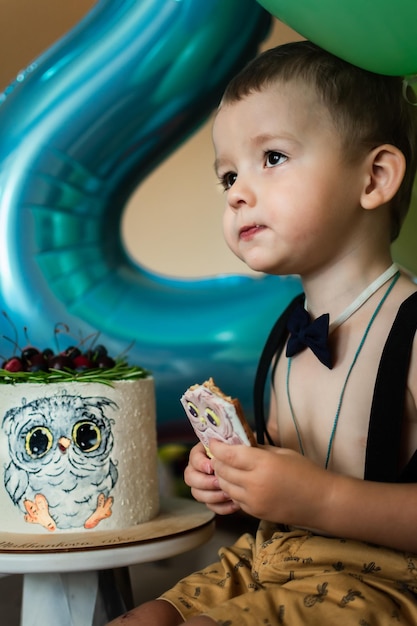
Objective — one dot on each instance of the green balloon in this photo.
(377, 36)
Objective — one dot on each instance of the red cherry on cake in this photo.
(100, 350)
(60, 362)
(72, 352)
(29, 352)
(81, 362)
(105, 362)
(37, 363)
(94, 354)
(14, 364)
(31, 359)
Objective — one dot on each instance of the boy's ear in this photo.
(385, 169)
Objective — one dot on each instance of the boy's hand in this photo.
(199, 475)
(275, 484)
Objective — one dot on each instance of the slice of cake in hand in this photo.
(213, 415)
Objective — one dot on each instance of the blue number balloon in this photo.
(80, 128)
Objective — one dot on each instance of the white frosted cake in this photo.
(77, 455)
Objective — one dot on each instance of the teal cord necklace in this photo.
(352, 365)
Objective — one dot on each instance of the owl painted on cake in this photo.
(60, 472)
(214, 415)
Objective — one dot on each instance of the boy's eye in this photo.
(228, 179)
(273, 158)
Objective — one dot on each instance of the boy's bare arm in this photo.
(381, 513)
(281, 485)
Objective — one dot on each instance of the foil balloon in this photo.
(377, 37)
(80, 128)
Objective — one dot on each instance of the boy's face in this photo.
(292, 199)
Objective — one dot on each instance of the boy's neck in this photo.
(334, 290)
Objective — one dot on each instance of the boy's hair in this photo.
(367, 109)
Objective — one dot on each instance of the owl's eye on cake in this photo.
(38, 442)
(87, 436)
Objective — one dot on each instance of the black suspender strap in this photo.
(274, 344)
(387, 411)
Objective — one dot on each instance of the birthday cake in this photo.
(78, 446)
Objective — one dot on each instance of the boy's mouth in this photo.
(249, 231)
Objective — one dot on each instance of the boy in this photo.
(317, 160)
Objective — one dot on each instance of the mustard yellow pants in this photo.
(292, 577)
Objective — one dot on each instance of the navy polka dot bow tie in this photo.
(305, 333)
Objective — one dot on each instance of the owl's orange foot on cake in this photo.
(38, 512)
(102, 511)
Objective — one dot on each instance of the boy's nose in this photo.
(241, 193)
